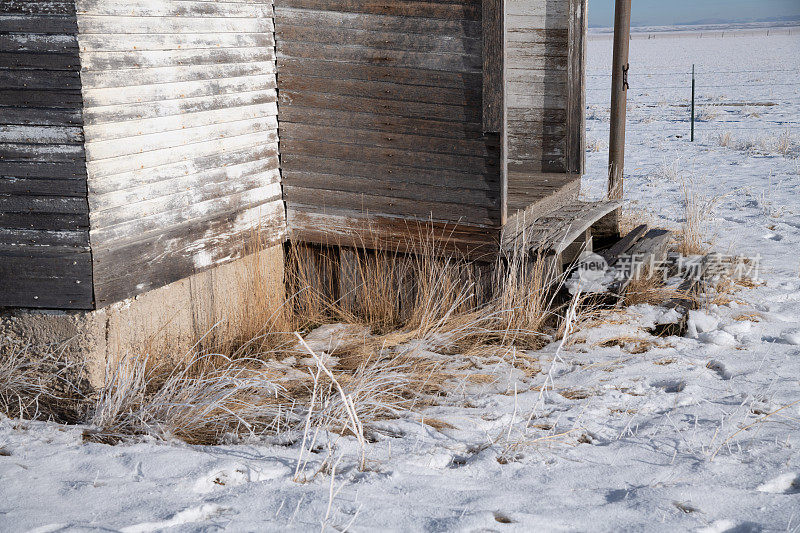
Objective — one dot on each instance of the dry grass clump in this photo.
(203, 403)
(40, 383)
(250, 375)
(259, 323)
(631, 344)
(230, 385)
(524, 311)
(576, 394)
(782, 144)
(190, 402)
(649, 288)
(417, 295)
(596, 145)
(695, 231)
(386, 290)
(669, 169)
(706, 114)
(725, 139)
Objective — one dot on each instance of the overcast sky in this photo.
(668, 12)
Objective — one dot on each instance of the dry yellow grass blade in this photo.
(745, 428)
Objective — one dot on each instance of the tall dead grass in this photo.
(694, 237)
(260, 323)
(193, 402)
(249, 376)
(783, 144)
(40, 382)
(386, 290)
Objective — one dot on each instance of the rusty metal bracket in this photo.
(625, 69)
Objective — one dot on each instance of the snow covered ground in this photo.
(680, 436)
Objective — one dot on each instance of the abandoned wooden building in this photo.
(140, 140)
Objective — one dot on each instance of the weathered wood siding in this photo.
(181, 136)
(381, 116)
(44, 222)
(544, 93)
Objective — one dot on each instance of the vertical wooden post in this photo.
(692, 138)
(619, 98)
(576, 87)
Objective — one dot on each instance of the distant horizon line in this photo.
(787, 20)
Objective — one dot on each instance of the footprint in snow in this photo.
(503, 518)
(720, 369)
(671, 386)
(783, 484)
(729, 526)
(187, 516)
(718, 338)
(233, 476)
(791, 337)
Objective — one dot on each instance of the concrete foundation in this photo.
(166, 321)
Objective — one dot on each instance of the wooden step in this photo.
(554, 231)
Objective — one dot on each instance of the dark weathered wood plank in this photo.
(382, 90)
(40, 281)
(418, 25)
(388, 156)
(461, 10)
(376, 38)
(389, 124)
(622, 246)
(48, 24)
(421, 77)
(369, 204)
(371, 56)
(409, 176)
(37, 7)
(493, 65)
(389, 189)
(346, 228)
(458, 114)
(367, 138)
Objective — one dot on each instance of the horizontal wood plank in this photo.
(181, 136)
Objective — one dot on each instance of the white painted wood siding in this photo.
(180, 120)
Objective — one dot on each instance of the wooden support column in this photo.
(576, 87)
(619, 98)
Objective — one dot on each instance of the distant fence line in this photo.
(702, 34)
(766, 109)
(634, 72)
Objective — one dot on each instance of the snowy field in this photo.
(698, 434)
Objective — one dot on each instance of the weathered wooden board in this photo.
(381, 111)
(544, 73)
(347, 19)
(410, 76)
(456, 10)
(181, 136)
(156, 75)
(494, 84)
(45, 261)
(345, 228)
(576, 87)
(185, 169)
(368, 138)
(403, 176)
(181, 250)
